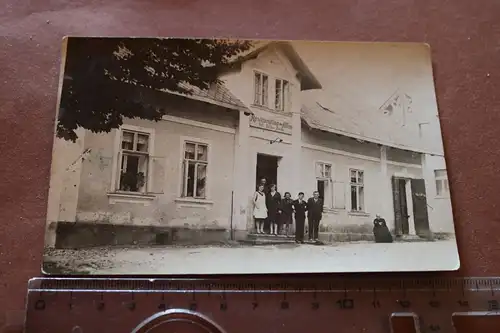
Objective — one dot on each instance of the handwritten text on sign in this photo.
(271, 124)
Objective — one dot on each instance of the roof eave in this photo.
(307, 79)
(311, 124)
(309, 83)
(211, 101)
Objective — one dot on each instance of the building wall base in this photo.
(75, 235)
(70, 235)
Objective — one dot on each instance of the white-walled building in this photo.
(274, 117)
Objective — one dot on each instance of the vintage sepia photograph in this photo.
(225, 156)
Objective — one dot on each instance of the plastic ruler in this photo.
(264, 304)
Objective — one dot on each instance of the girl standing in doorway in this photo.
(259, 209)
(273, 207)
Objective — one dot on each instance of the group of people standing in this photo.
(273, 214)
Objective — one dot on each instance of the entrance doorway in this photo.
(267, 167)
(409, 196)
(420, 212)
(400, 206)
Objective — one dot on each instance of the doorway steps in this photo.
(266, 239)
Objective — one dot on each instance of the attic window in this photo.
(261, 89)
(281, 95)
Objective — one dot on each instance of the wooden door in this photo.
(400, 206)
(420, 212)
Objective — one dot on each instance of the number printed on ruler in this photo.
(237, 308)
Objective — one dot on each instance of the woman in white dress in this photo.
(259, 209)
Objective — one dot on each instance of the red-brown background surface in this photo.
(464, 36)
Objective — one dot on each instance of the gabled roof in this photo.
(307, 79)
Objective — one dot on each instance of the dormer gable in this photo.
(286, 54)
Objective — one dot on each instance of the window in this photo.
(261, 89)
(442, 185)
(280, 95)
(134, 161)
(323, 170)
(194, 177)
(357, 191)
(323, 183)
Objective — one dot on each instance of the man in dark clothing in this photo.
(300, 208)
(285, 219)
(273, 203)
(314, 215)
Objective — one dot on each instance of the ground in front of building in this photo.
(230, 259)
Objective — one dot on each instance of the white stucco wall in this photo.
(344, 154)
(255, 139)
(440, 208)
(166, 208)
(83, 191)
(65, 178)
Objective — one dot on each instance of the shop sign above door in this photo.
(271, 124)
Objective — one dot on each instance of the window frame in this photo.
(328, 200)
(118, 153)
(260, 101)
(124, 160)
(358, 186)
(445, 184)
(284, 91)
(183, 170)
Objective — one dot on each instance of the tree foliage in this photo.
(102, 77)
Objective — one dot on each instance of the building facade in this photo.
(190, 177)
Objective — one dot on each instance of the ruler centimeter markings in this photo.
(349, 305)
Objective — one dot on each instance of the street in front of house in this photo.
(286, 258)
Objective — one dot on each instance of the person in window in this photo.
(273, 208)
(259, 209)
(286, 214)
(300, 208)
(314, 215)
(263, 181)
(381, 231)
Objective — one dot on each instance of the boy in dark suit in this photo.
(314, 215)
(300, 208)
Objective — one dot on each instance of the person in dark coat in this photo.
(314, 215)
(300, 208)
(273, 208)
(381, 231)
(286, 214)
